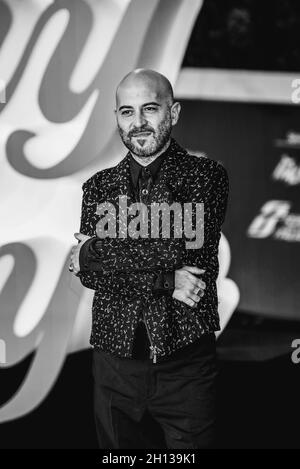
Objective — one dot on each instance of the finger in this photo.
(196, 282)
(199, 293)
(189, 302)
(193, 269)
(194, 297)
(196, 289)
(79, 236)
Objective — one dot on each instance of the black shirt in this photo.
(139, 174)
(153, 168)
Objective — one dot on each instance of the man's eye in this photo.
(126, 113)
(150, 109)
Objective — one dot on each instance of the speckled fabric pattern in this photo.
(123, 285)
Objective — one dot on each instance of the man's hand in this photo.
(188, 287)
(74, 264)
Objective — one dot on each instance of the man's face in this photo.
(144, 119)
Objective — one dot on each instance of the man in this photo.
(155, 303)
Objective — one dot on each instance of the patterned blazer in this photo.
(125, 270)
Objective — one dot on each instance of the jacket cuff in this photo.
(164, 283)
(87, 255)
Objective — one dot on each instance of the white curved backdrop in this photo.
(60, 63)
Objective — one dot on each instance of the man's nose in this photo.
(139, 119)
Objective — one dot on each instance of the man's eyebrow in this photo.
(125, 107)
(152, 103)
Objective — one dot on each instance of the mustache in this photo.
(136, 131)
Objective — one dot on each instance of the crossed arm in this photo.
(97, 257)
(100, 256)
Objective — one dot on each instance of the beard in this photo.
(153, 143)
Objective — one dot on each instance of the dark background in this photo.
(258, 399)
(246, 34)
(243, 138)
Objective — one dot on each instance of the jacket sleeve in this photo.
(164, 283)
(106, 256)
(215, 204)
(87, 227)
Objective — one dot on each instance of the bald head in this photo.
(146, 112)
(146, 79)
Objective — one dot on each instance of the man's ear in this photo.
(175, 111)
(116, 115)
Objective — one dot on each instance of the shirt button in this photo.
(166, 284)
(144, 191)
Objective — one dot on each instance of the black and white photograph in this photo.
(149, 227)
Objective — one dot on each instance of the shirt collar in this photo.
(136, 168)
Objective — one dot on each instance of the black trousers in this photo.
(168, 404)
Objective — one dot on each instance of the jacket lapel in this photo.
(169, 186)
(119, 183)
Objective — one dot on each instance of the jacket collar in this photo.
(153, 167)
(169, 180)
